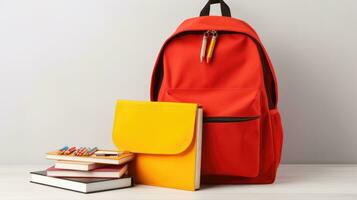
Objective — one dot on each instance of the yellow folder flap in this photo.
(154, 127)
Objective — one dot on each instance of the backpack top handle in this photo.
(224, 8)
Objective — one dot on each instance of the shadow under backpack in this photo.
(220, 63)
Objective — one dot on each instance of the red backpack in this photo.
(220, 63)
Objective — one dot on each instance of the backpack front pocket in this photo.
(231, 147)
(232, 137)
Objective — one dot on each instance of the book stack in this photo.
(86, 170)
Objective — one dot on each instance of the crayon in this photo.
(80, 153)
(62, 150)
(92, 151)
(69, 151)
(77, 153)
(84, 151)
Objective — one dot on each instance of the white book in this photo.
(84, 185)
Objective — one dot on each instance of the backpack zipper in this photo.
(211, 46)
(204, 45)
(228, 119)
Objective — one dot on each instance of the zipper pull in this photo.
(204, 46)
(211, 46)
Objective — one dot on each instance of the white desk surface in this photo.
(293, 182)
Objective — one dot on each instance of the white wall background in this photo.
(64, 63)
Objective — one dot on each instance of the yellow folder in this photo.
(166, 138)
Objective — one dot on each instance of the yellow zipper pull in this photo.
(204, 46)
(211, 46)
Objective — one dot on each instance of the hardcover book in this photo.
(83, 185)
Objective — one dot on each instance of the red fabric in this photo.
(231, 85)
